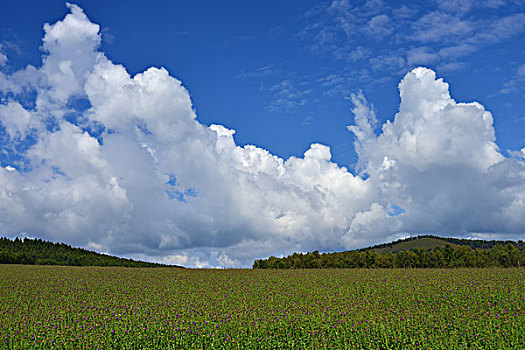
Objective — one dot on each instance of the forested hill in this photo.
(39, 252)
(417, 252)
(430, 242)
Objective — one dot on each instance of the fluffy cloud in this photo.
(72, 45)
(438, 160)
(121, 164)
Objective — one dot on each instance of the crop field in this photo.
(44, 307)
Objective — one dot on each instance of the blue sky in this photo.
(280, 73)
(313, 85)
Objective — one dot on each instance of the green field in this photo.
(44, 307)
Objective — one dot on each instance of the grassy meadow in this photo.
(45, 307)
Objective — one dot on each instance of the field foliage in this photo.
(45, 307)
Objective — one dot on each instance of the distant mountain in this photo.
(39, 252)
(418, 252)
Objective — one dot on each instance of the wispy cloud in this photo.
(107, 35)
(284, 92)
(440, 27)
(288, 95)
(8, 47)
(262, 72)
(379, 27)
(395, 39)
(456, 6)
(236, 40)
(516, 83)
(335, 85)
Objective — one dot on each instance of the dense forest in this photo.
(39, 252)
(453, 253)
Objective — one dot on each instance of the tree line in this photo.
(499, 255)
(39, 252)
(473, 243)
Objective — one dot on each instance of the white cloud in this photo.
(456, 6)
(357, 54)
(379, 27)
(456, 51)
(182, 259)
(155, 183)
(438, 160)
(420, 56)
(16, 120)
(516, 82)
(288, 95)
(442, 35)
(439, 26)
(71, 45)
(503, 28)
(389, 62)
(432, 129)
(452, 66)
(21, 80)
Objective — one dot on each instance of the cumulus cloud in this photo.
(438, 160)
(121, 163)
(71, 44)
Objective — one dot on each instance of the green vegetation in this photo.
(430, 242)
(418, 252)
(39, 252)
(408, 244)
(50, 307)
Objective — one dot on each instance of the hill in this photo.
(39, 252)
(430, 242)
(408, 244)
(417, 252)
